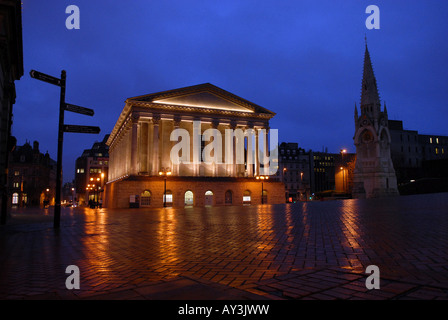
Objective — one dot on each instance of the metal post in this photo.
(57, 205)
(262, 192)
(164, 193)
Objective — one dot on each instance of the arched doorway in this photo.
(189, 198)
(145, 198)
(209, 198)
(247, 197)
(168, 199)
(228, 197)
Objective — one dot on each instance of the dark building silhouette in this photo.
(32, 176)
(11, 69)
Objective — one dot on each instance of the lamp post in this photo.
(262, 178)
(342, 168)
(164, 172)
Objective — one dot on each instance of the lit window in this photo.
(430, 140)
(437, 140)
(15, 185)
(437, 150)
(15, 198)
(16, 173)
(443, 151)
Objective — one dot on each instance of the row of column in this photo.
(150, 150)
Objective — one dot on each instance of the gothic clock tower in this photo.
(374, 174)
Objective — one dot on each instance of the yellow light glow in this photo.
(160, 173)
(168, 173)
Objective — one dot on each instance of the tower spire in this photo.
(369, 90)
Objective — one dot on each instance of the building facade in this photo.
(32, 177)
(91, 173)
(374, 174)
(295, 166)
(198, 145)
(410, 151)
(11, 69)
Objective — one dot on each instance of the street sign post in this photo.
(81, 129)
(45, 77)
(78, 109)
(63, 128)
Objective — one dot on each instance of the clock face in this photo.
(367, 137)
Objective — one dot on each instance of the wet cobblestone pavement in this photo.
(311, 250)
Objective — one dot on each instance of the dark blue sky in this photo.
(300, 59)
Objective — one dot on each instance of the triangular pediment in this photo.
(204, 96)
(206, 100)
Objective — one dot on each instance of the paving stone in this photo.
(320, 251)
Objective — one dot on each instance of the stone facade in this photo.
(374, 174)
(221, 143)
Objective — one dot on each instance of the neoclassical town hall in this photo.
(144, 172)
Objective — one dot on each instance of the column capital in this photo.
(156, 119)
(215, 123)
(134, 118)
(177, 120)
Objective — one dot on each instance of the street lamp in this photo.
(342, 168)
(343, 179)
(164, 172)
(262, 178)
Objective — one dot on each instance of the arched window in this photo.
(228, 197)
(246, 197)
(145, 198)
(208, 198)
(189, 198)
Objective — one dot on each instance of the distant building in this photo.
(142, 171)
(91, 173)
(32, 176)
(374, 174)
(294, 171)
(411, 150)
(11, 69)
(323, 171)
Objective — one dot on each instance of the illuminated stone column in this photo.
(215, 124)
(250, 151)
(134, 145)
(196, 140)
(177, 121)
(144, 152)
(257, 148)
(155, 145)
